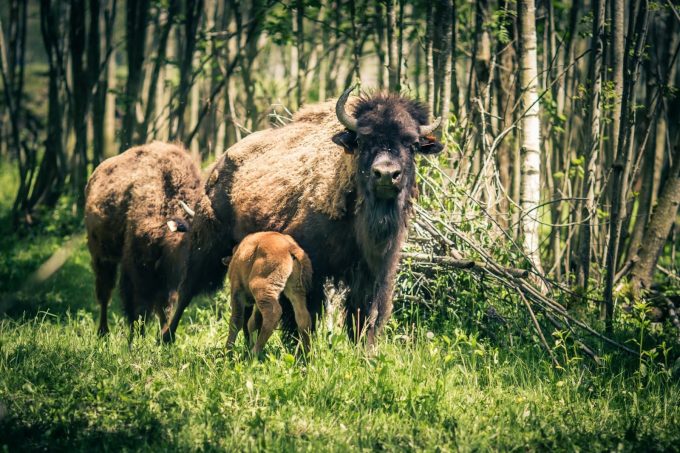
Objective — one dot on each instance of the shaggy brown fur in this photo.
(315, 181)
(130, 198)
(264, 266)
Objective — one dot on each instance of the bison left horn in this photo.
(187, 208)
(345, 118)
(427, 129)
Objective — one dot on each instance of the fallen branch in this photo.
(460, 263)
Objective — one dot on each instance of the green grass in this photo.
(437, 382)
(63, 387)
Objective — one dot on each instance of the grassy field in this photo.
(433, 385)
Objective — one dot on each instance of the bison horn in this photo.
(187, 208)
(345, 119)
(427, 129)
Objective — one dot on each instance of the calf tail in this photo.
(305, 267)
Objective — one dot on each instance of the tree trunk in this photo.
(622, 166)
(159, 63)
(49, 182)
(531, 127)
(429, 58)
(447, 11)
(79, 100)
(592, 143)
(137, 12)
(393, 48)
(616, 69)
(93, 69)
(192, 17)
(659, 228)
(300, 44)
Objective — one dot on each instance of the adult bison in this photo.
(134, 217)
(340, 184)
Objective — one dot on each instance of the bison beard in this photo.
(347, 209)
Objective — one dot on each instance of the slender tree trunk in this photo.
(531, 127)
(447, 10)
(622, 165)
(79, 101)
(50, 180)
(93, 69)
(592, 142)
(392, 47)
(429, 58)
(616, 70)
(159, 63)
(137, 12)
(192, 17)
(109, 84)
(300, 44)
(504, 80)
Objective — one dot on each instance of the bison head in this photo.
(385, 133)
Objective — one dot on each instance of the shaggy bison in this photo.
(134, 217)
(265, 266)
(340, 183)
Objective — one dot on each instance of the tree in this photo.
(531, 127)
(593, 143)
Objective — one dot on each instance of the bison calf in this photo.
(265, 265)
(136, 216)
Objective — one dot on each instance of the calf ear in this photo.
(429, 145)
(346, 139)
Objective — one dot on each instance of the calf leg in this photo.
(271, 312)
(238, 300)
(302, 317)
(105, 280)
(254, 325)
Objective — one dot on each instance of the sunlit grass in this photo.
(63, 386)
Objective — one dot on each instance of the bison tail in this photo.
(305, 266)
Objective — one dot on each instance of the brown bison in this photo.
(265, 266)
(134, 217)
(340, 184)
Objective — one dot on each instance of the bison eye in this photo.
(415, 147)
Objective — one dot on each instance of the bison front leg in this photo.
(369, 305)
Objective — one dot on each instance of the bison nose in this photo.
(386, 174)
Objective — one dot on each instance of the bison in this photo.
(340, 184)
(135, 216)
(264, 267)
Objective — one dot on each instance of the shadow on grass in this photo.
(70, 434)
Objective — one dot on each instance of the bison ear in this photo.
(346, 139)
(429, 145)
(178, 225)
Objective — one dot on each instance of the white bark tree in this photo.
(530, 189)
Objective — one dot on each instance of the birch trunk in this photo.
(530, 126)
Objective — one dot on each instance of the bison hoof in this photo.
(167, 337)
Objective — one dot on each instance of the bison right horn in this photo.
(345, 119)
(187, 208)
(427, 129)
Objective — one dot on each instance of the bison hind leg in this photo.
(105, 280)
